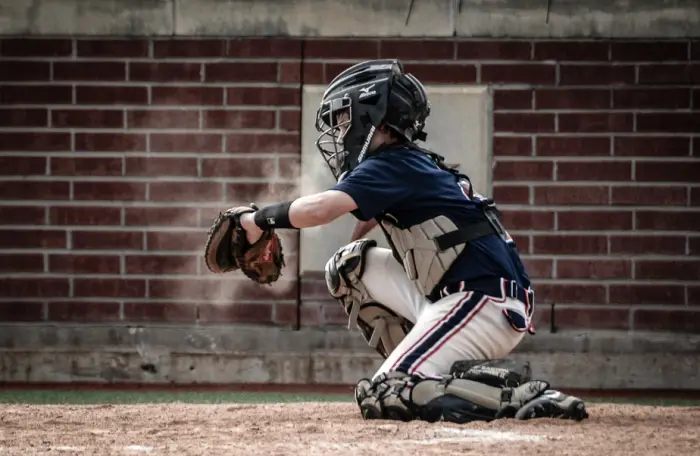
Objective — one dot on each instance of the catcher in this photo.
(451, 298)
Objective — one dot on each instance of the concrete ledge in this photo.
(313, 18)
(362, 18)
(87, 17)
(219, 355)
(573, 18)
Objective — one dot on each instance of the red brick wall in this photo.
(115, 155)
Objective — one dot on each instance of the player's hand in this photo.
(252, 232)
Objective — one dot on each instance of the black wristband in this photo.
(275, 216)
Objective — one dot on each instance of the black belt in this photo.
(497, 287)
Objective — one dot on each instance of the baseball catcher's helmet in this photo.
(372, 93)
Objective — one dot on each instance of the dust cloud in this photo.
(315, 177)
(279, 180)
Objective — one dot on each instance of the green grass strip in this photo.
(159, 397)
(194, 397)
(644, 401)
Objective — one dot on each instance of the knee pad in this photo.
(382, 328)
(345, 268)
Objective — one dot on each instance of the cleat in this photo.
(553, 404)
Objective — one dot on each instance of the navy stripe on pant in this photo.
(441, 331)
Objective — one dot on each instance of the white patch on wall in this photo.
(459, 128)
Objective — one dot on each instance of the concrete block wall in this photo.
(117, 154)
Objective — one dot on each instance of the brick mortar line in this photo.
(592, 207)
(123, 253)
(208, 277)
(204, 278)
(154, 130)
(486, 61)
(213, 203)
(151, 324)
(87, 83)
(630, 319)
(153, 179)
(199, 60)
(591, 183)
(587, 159)
(205, 62)
(147, 301)
(311, 302)
(498, 85)
(155, 155)
(606, 257)
(602, 135)
(224, 59)
(620, 306)
(583, 232)
(636, 258)
(144, 204)
(201, 229)
(466, 39)
(158, 178)
(157, 107)
(662, 110)
(134, 277)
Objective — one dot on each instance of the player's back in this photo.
(409, 187)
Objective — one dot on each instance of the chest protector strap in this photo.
(491, 224)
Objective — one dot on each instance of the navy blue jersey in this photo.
(408, 185)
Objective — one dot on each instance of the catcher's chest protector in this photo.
(424, 262)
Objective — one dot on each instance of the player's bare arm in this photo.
(362, 228)
(305, 212)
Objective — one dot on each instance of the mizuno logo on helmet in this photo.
(367, 92)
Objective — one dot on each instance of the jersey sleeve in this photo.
(375, 186)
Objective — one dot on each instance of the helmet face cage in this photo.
(332, 132)
(368, 95)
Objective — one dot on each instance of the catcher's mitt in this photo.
(227, 248)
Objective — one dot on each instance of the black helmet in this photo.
(372, 93)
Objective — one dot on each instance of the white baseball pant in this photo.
(461, 326)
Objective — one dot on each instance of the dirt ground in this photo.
(333, 429)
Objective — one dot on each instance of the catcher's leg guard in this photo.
(498, 372)
(511, 373)
(398, 396)
(381, 326)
